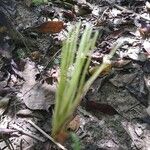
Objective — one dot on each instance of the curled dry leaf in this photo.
(48, 27)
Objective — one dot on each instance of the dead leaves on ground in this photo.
(36, 95)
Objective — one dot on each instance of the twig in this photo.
(28, 134)
(46, 135)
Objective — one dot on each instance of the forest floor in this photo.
(114, 114)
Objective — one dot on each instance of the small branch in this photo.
(28, 134)
(46, 135)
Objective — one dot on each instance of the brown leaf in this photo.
(74, 124)
(104, 108)
(48, 27)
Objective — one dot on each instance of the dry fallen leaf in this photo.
(103, 108)
(48, 27)
(36, 96)
(74, 124)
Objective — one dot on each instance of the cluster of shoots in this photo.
(73, 85)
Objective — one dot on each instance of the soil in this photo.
(120, 89)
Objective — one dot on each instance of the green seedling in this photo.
(76, 142)
(72, 85)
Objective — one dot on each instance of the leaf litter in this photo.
(122, 89)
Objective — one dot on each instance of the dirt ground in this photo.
(126, 88)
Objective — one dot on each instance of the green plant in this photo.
(76, 142)
(73, 69)
(72, 85)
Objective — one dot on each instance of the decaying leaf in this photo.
(35, 94)
(74, 124)
(120, 79)
(48, 27)
(103, 108)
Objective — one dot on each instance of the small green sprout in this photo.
(73, 69)
(72, 86)
(76, 142)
